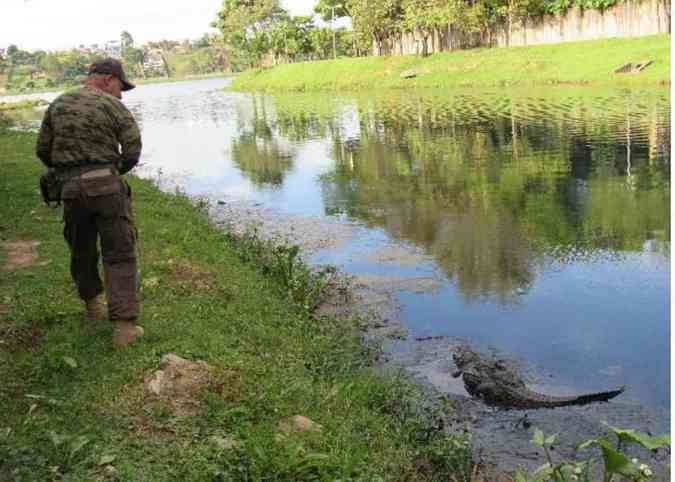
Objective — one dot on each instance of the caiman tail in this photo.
(531, 399)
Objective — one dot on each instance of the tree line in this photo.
(260, 32)
(23, 70)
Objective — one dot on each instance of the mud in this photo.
(501, 439)
(311, 233)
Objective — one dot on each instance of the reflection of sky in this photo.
(595, 323)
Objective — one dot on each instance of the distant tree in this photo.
(203, 42)
(322, 42)
(329, 9)
(11, 52)
(248, 17)
(376, 19)
(426, 16)
(246, 24)
(126, 40)
(51, 65)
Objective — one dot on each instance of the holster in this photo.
(51, 185)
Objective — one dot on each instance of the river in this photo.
(535, 221)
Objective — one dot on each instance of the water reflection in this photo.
(546, 213)
(256, 149)
(492, 199)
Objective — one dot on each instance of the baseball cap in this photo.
(114, 67)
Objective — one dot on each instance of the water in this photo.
(542, 213)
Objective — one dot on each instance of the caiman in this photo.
(496, 384)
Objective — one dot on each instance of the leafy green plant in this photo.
(67, 448)
(305, 286)
(615, 461)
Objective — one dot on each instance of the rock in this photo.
(154, 384)
(299, 424)
(408, 74)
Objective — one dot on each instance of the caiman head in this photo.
(464, 358)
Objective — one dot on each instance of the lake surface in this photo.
(544, 214)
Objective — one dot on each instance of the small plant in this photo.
(67, 448)
(305, 286)
(616, 462)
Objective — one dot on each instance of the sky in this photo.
(55, 25)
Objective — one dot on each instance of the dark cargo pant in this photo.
(101, 207)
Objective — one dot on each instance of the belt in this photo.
(106, 171)
(86, 172)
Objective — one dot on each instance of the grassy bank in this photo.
(150, 80)
(590, 62)
(72, 408)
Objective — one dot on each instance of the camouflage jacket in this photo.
(86, 127)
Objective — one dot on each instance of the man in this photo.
(90, 138)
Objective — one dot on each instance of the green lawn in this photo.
(590, 62)
(70, 405)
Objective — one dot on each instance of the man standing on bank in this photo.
(90, 138)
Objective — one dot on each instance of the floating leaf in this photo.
(552, 439)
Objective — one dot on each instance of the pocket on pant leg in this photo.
(118, 242)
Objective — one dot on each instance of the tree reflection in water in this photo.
(493, 186)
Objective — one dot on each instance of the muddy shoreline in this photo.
(501, 439)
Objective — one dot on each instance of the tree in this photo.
(331, 9)
(292, 38)
(132, 57)
(427, 16)
(248, 17)
(377, 19)
(126, 40)
(246, 25)
(322, 41)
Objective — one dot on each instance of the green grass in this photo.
(70, 404)
(591, 62)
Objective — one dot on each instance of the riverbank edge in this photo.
(589, 63)
(152, 80)
(77, 409)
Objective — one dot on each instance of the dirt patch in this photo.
(20, 254)
(190, 276)
(14, 339)
(177, 383)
